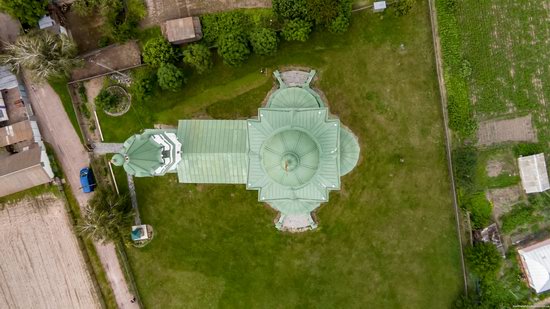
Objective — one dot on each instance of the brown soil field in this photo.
(41, 264)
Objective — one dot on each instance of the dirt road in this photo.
(57, 130)
(41, 264)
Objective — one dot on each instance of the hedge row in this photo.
(461, 119)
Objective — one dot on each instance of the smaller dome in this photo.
(117, 159)
(294, 97)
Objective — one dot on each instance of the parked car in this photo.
(87, 180)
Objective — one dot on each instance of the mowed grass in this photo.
(386, 240)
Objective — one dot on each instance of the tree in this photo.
(42, 53)
(402, 7)
(296, 30)
(480, 210)
(158, 51)
(106, 100)
(217, 25)
(27, 11)
(170, 77)
(291, 9)
(340, 24)
(233, 49)
(107, 217)
(484, 260)
(264, 41)
(198, 56)
(143, 83)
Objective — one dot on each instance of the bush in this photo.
(105, 100)
(158, 51)
(340, 24)
(264, 41)
(291, 9)
(465, 165)
(199, 57)
(325, 12)
(483, 259)
(170, 77)
(82, 93)
(527, 149)
(480, 210)
(27, 11)
(233, 49)
(217, 25)
(296, 30)
(520, 215)
(143, 83)
(402, 7)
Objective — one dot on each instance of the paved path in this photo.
(106, 148)
(57, 130)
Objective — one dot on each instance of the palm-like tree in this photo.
(42, 53)
(107, 216)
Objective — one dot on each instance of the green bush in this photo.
(340, 24)
(402, 7)
(527, 149)
(84, 110)
(264, 41)
(483, 259)
(105, 100)
(170, 77)
(27, 11)
(520, 215)
(296, 30)
(217, 25)
(233, 49)
(465, 166)
(82, 93)
(158, 51)
(291, 9)
(480, 210)
(143, 83)
(199, 57)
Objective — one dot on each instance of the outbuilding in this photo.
(379, 6)
(182, 30)
(535, 263)
(534, 176)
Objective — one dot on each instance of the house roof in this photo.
(534, 176)
(20, 160)
(15, 133)
(7, 79)
(214, 151)
(536, 264)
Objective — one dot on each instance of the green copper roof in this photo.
(214, 151)
(293, 154)
(349, 151)
(142, 156)
(294, 97)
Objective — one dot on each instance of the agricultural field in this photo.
(41, 263)
(386, 240)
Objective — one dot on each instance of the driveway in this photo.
(57, 130)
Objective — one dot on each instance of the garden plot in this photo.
(504, 198)
(41, 264)
(510, 130)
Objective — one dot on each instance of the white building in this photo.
(534, 176)
(535, 262)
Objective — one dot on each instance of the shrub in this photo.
(158, 51)
(199, 57)
(402, 7)
(480, 210)
(340, 24)
(527, 149)
(296, 30)
(325, 12)
(143, 83)
(465, 165)
(291, 9)
(170, 77)
(520, 215)
(483, 259)
(217, 25)
(264, 41)
(105, 100)
(27, 11)
(82, 93)
(233, 49)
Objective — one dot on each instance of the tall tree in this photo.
(27, 11)
(42, 53)
(158, 51)
(107, 217)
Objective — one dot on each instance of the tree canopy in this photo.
(233, 48)
(264, 41)
(158, 51)
(198, 56)
(27, 11)
(170, 77)
(484, 259)
(297, 30)
(42, 53)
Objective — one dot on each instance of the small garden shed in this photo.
(182, 30)
(534, 176)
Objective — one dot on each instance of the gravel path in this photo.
(57, 130)
(41, 264)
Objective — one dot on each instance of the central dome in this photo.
(290, 157)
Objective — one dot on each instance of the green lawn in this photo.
(386, 240)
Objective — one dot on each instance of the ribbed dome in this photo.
(293, 98)
(290, 158)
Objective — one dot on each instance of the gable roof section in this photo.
(534, 176)
(20, 161)
(15, 133)
(7, 79)
(213, 151)
(536, 264)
